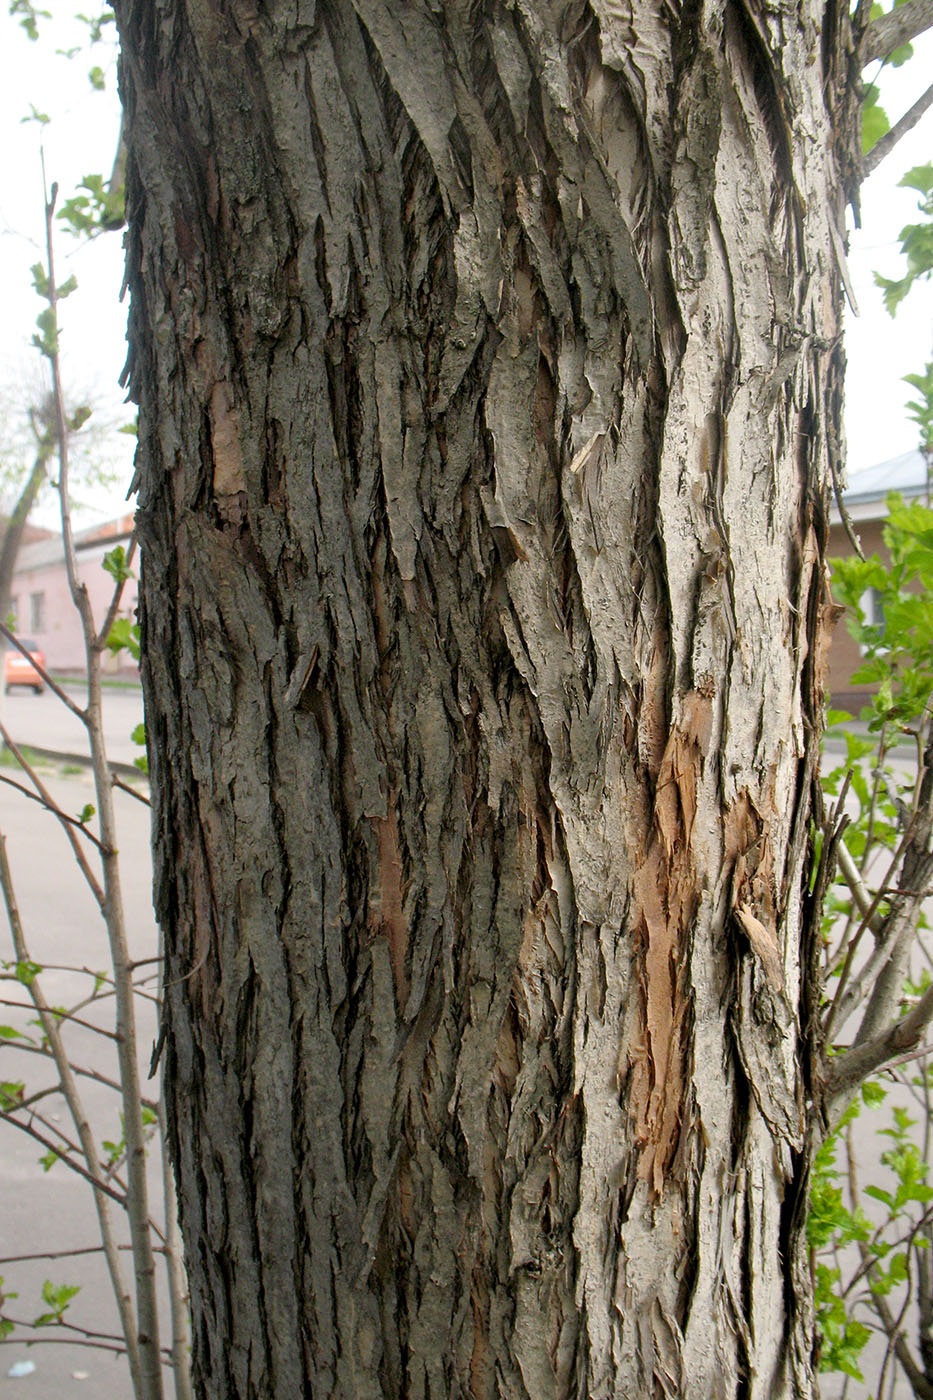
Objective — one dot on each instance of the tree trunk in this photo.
(488, 366)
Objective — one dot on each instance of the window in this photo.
(872, 606)
(12, 619)
(37, 612)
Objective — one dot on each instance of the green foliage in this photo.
(116, 1151)
(96, 25)
(916, 240)
(139, 737)
(897, 654)
(11, 1033)
(124, 636)
(57, 1297)
(28, 16)
(830, 1226)
(99, 209)
(40, 279)
(842, 1338)
(860, 1262)
(829, 1218)
(46, 340)
(35, 115)
(115, 564)
(6, 1326)
(920, 409)
(11, 1094)
(25, 971)
(875, 122)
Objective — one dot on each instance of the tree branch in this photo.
(52, 806)
(889, 32)
(146, 1374)
(127, 787)
(866, 904)
(886, 144)
(847, 1071)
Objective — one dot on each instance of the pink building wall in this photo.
(41, 599)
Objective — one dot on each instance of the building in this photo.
(865, 501)
(41, 598)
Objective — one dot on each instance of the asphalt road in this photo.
(43, 721)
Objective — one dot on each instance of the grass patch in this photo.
(74, 678)
(32, 758)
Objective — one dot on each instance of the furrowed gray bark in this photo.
(487, 360)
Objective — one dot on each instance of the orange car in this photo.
(18, 670)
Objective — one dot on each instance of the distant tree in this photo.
(43, 429)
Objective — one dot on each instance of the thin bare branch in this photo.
(52, 806)
(70, 1162)
(850, 993)
(91, 1170)
(128, 787)
(147, 1374)
(844, 516)
(54, 1254)
(24, 1105)
(39, 1334)
(897, 936)
(924, 1049)
(61, 1016)
(866, 903)
(886, 144)
(80, 1070)
(115, 1346)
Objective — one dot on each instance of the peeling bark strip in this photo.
(485, 357)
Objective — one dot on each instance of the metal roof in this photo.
(906, 473)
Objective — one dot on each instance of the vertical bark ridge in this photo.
(478, 351)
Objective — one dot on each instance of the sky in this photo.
(81, 138)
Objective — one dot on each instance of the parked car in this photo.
(20, 671)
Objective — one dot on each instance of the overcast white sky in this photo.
(81, 138)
